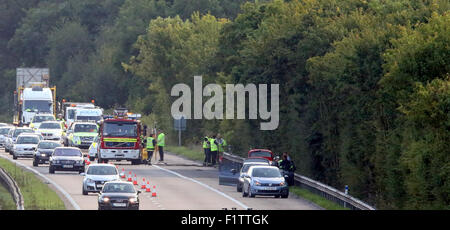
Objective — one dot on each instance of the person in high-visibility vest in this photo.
(207, 149)
(222, 145)
(161, 143)
(214, 149)
(151, 143)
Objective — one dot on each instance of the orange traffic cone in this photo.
(129, 177)
(148, 187)
(87, 161)
(154, 191)
(135, 180)
(143, 183)
(123, 173)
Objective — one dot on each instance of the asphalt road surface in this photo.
(180, 185)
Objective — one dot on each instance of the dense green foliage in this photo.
(364, 85)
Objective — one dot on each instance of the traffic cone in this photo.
(123, 173)
(143, 183)
(129, 177)
(154, 191)
(148, 187)
(135, 180)
(87, 162)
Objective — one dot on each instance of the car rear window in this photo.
(260, 154)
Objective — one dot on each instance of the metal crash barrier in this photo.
(230, 161)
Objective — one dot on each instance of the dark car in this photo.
(66, 159)
(43, 152)
(118, 195)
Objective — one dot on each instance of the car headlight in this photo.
(257, 183)
(104, 199)
(90, 181)
(133, 200)
(282, 183)
(43, 155)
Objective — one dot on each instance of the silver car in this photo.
(244, 171)
(4, 130)
(12, 136)
(25, 145)
(264, 181)
(97, 175)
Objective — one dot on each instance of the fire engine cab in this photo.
(120, 137)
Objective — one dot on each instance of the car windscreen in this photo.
(85, 128)
(19, 131)
(89, 118)
(48, 145)
(27, 140)
(38, 118)
(118, 188)
(260, 154)
(101, 170)
(39, 105)
(112, 129)
(50, 126)
(4, 131)
(266, 172)
(67, 152)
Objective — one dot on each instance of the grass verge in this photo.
(6, 200)
(193, 153)
(196, 153)
(36, 194)
(316, 199)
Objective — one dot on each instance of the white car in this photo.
(51, 130)
(4, 130)
(93, 149)
(25, 145)
(97, 175)
(12, 136)
(39, 118)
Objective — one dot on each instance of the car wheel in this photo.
(84, 192)
(244, 194)
(284, 196)
(51, 170)
(239, 188)
(6, 150)
(250, 194)
(35, 163)
(14, 157)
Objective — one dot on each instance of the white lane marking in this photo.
(72, 202)
(204, 185)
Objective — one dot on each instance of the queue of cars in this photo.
(44, 143)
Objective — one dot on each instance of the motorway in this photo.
(180, 185)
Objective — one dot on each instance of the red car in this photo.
(261, 153)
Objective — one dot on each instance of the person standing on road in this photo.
(161, 144)
(207, 150)
(214, 149)
(288, 167)
(151, 143)
(222, 145)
